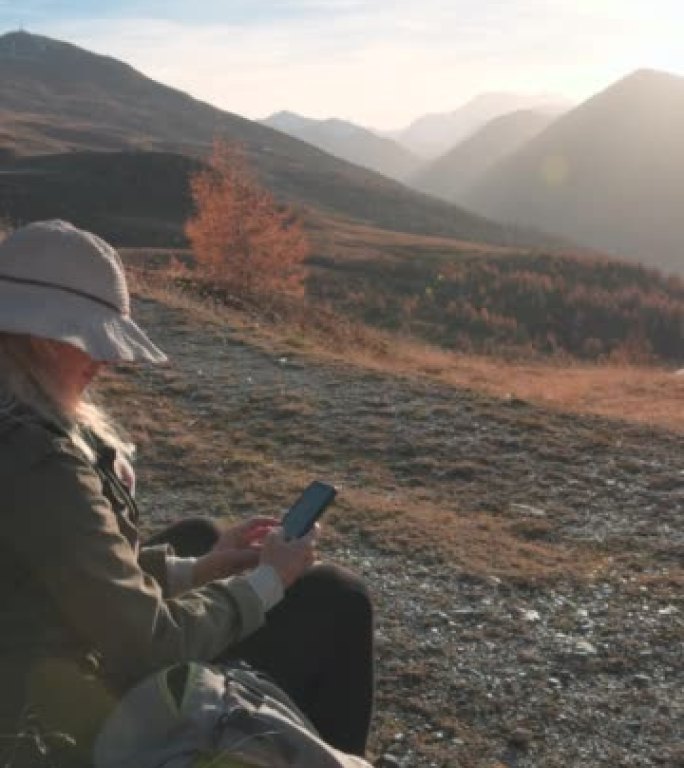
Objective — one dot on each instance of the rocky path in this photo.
(475, 668)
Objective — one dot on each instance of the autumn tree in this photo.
(239, 234)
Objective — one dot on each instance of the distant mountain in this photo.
(350, 142)
(433, 135)
(452, 174)
(609, 174)
(57, 98)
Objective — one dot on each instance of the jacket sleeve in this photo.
(153, 560)
(66, 530)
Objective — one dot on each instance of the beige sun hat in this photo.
(59, 282)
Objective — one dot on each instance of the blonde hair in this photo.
(26, 379)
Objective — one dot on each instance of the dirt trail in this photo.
(476, 668)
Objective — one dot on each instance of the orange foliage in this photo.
(527, 304)
(240, 236)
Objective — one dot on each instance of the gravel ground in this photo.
(474, 669)
(547, 677)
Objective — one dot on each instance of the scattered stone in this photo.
(643, 681)
(387, 761)
(530, 656)
(585, 648)
(528, 509)
(521, 738)
(531, 615)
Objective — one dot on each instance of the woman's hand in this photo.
(249, 534)
(256, 541)
(237, 549)
(289, 558)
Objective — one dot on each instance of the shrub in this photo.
(239, 235)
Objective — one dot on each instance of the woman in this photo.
(85, 611)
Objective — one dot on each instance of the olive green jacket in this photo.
(83, 611)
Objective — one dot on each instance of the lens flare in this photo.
(555, 170)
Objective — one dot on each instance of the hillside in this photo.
(349, 142)
(511, 551)
(57, 98)
(435, 134)
(451, 175)
(610, 174)
(129, 198)
(473, 298)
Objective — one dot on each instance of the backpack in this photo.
(196, 715)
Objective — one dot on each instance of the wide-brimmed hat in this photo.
(59, 282)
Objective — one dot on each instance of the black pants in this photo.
(317, 644)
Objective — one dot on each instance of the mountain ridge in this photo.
(348, 141)
(611, 171)
(437, 133)
(450, 175)
(51, 86)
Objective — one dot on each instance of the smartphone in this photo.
(302, 515)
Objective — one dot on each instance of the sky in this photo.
(379, 63)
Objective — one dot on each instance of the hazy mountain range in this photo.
(433, 135)
(403, 154)
(350, 142)
(451, 175)
(77, 129)
(609, 174)
(57, 99)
